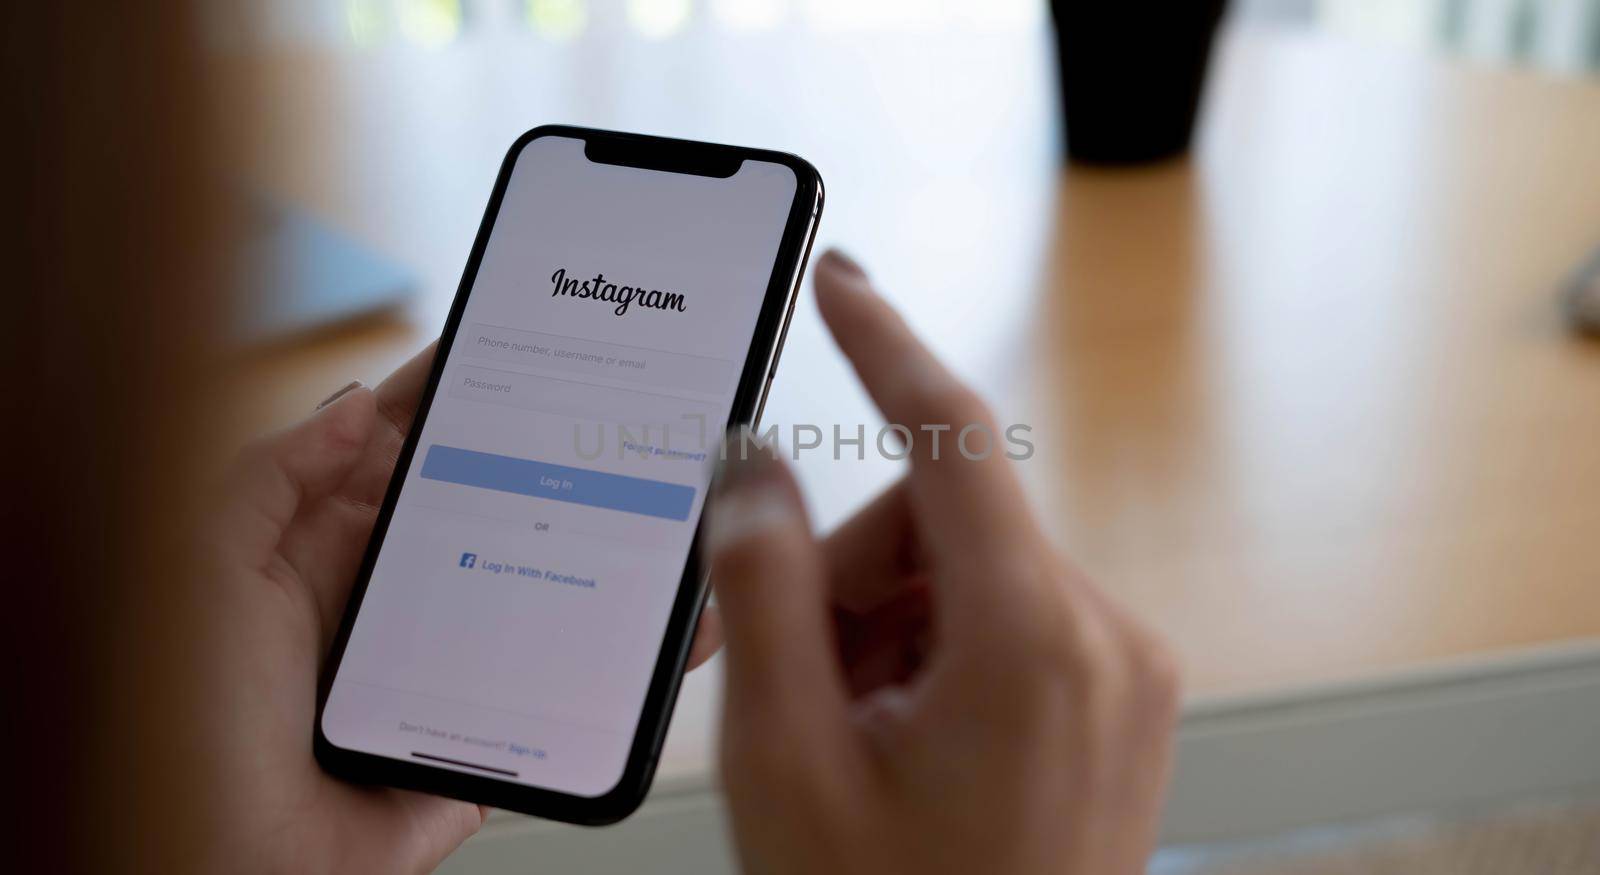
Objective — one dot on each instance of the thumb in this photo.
(278, 475)
(784, 687)
(428, 828)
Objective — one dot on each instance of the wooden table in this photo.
(1303, 401)
(1318, 413)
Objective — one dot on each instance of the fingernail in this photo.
(749, 498)
(836, 261)
(348, 387)
(745, 460)
(745, 513)
(884, 713)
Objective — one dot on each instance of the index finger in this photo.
(971, 509)
(400, 393)
(398, 397)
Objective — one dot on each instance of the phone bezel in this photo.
(639, 150)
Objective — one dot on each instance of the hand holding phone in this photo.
(289, 530)
(522, 617)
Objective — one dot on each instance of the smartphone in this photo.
(522, 618)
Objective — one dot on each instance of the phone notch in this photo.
(668, 156)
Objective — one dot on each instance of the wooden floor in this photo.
(1303, 401)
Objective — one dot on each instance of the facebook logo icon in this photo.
(468, 560)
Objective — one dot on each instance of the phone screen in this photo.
(517, 604)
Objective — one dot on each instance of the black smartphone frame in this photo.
(761, 362)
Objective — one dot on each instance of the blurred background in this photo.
(1310, 393)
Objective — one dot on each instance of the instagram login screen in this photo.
(520, 598)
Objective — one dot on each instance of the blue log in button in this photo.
(558, 482)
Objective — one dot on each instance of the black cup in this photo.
(1132, 74)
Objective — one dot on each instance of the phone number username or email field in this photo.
(595, 358)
